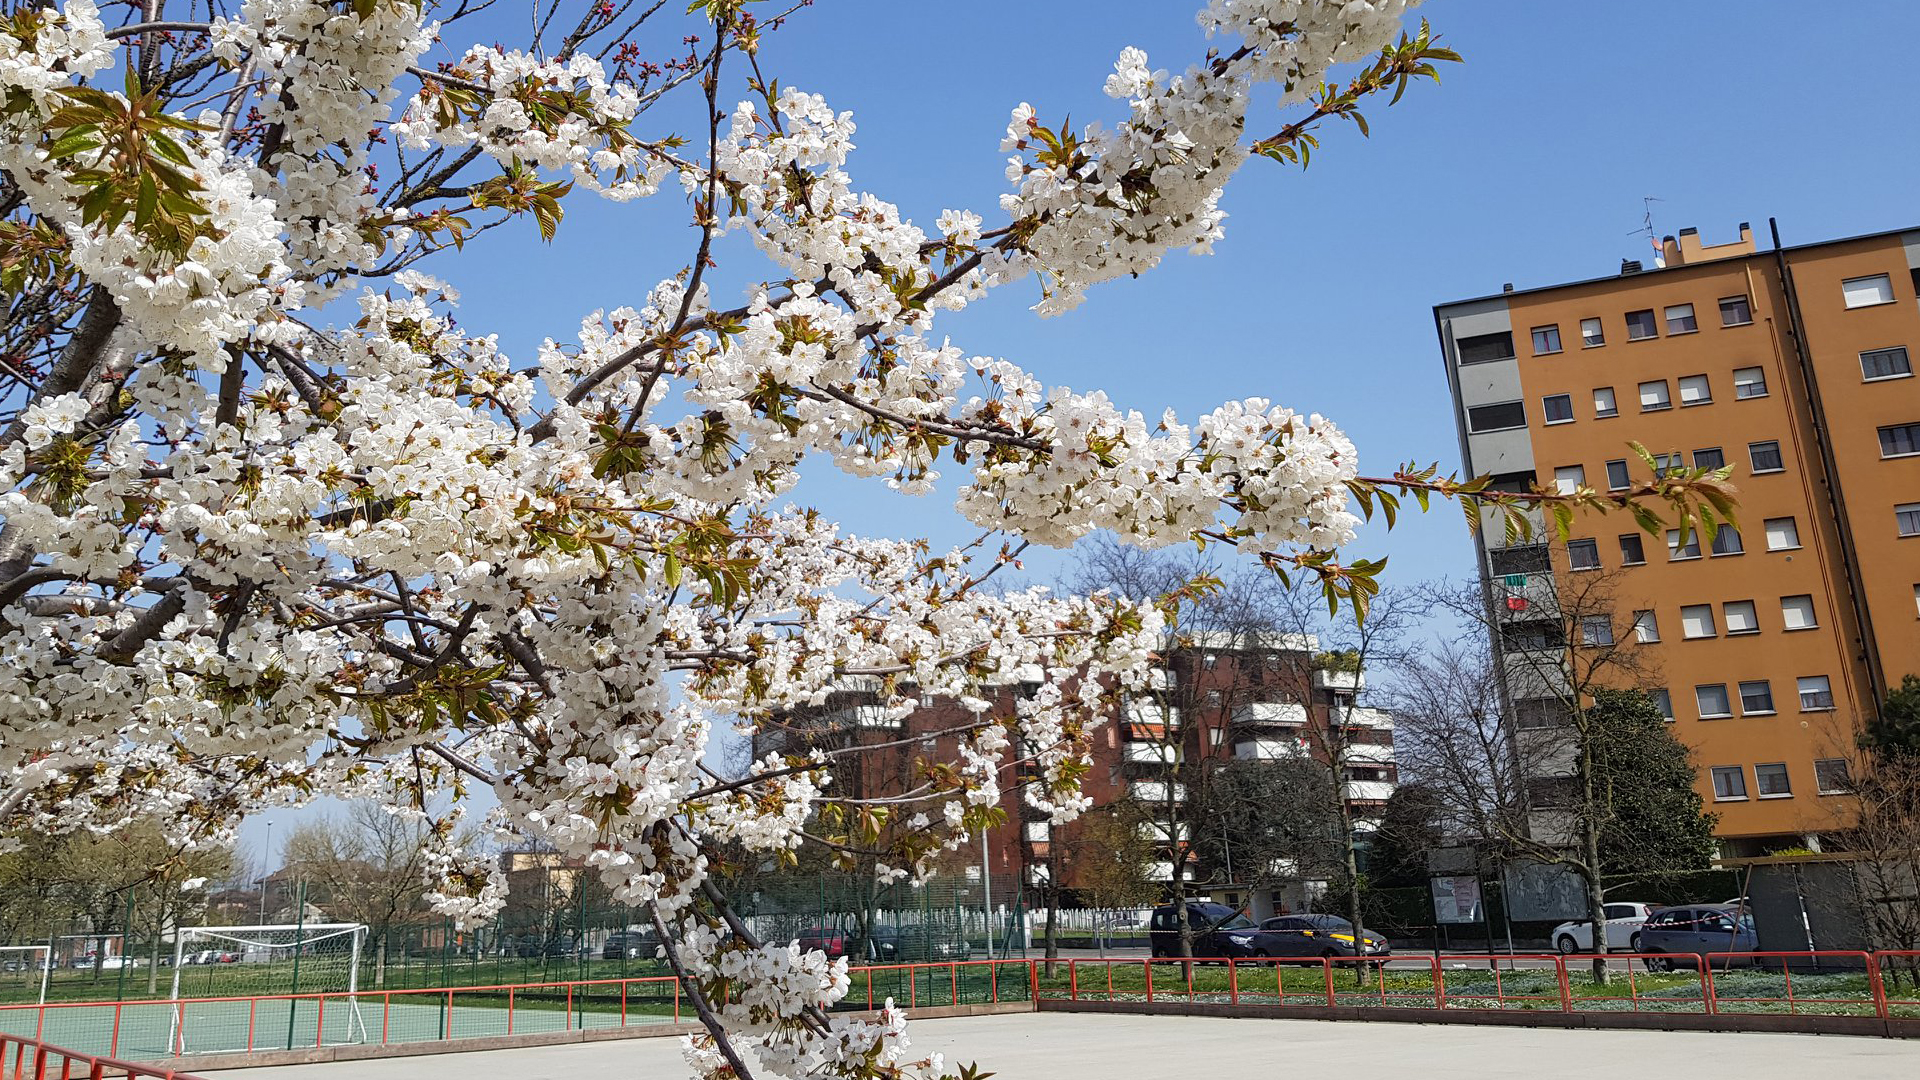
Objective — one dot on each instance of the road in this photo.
(1421, 960)
(1048, 1046)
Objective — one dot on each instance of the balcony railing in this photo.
(1150, 753)
(1287, 713)
(1155, 791)
(1367, 790)
(1269, 749)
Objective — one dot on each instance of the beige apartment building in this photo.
(1794, 366)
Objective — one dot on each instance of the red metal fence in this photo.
(1883, 985)
(1827, 983)
(27, 1059)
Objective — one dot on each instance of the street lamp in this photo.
(265, 873)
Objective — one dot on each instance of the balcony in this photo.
(1158, 832)
(1145, 712)
(1269, 749)
(1156, 791)
(1350, 681)
(862, 716)
(1368, 718)
(1282, 713)
(1149, 753)
(1369, 754)
(1367, 790)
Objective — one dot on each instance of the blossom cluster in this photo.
(246, 562)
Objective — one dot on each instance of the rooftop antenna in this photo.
(1646, 228)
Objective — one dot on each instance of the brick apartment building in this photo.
(1793, 365)
(1217, 699)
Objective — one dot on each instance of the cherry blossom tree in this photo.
(250, 558)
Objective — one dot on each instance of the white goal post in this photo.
(272, 960)
(46, 963)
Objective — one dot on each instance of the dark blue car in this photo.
(1218, 931)
(1695, 930)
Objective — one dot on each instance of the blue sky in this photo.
(1528, 165)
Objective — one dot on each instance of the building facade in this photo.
(1774, 640)
(1218, 699)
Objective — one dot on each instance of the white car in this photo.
(1623, 929)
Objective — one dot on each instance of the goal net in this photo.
(298, 968)
(24, 970)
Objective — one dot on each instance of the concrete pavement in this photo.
(1065, 1046)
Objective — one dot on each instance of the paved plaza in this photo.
(1052, 1046)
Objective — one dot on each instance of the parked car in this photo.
(1218, 931)
(824, 939)
(1315, 935)
(631, 945)
(1695, 929)
(1623, 929)
(913, 942)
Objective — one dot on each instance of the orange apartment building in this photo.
(1793, 365)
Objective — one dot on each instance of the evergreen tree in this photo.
(1895, 733)
(1657, 821)
(1409, 828)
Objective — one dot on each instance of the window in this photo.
(1617, 479)
(1816, 693)
(1640, 325)
(1583, 554)
(1666, 463)
(1038, 831)
(1756, 698)
(1729, 783)
(1830, 776)
(1520, 559)
(1677, 551)
(1696, 621)
(1885, 364)
(1663, 701)
(1796, 612)
(1712, 700)
(1906, 517)
(1546, 339)
(1591, 334)
(1557, 408)
(1740, 617)
(1694, 390)
(1534, 714)
(1735, 311)
(1569, 478)
(1899, 440)
(1632, 553)
(1711, 457)
(1603, 403)
(1680, 319)
(1653, 396)
(1726, 541)
(1749, 382)
(1646, 628)
(1765, 456)
(1867, 291)
(1783, 534)
(1771, 781)
(1596, 630)
(1502, 417)
(1485, 347)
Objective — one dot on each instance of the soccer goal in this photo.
(280, 962)
(31, 962)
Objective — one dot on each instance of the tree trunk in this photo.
(1053, 911)
(1590, 844)
(1353, 888)
(380, 960)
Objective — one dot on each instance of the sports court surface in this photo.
(1053, 1046)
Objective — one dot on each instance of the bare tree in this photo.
(1351, 746)
(1217, 656)
(1559, 642)
(366, 867)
